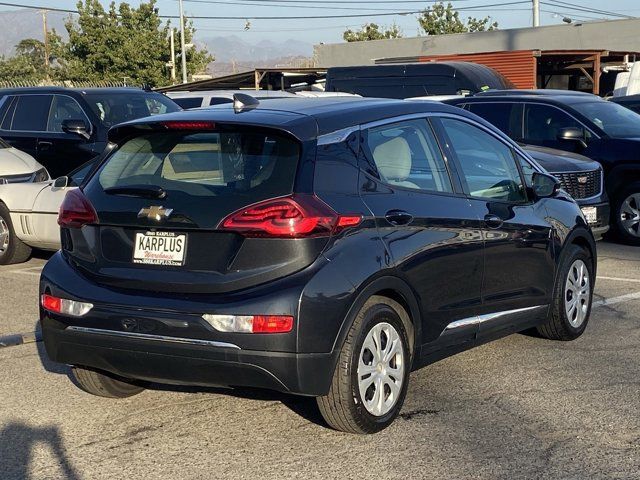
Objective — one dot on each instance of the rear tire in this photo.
(626, 214)
(103, 384)
(370, 381)
(12, 249)
(572, 296)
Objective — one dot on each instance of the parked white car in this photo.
(29, 214)
(208, 98)
(17, 166)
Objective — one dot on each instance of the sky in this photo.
(517, 14)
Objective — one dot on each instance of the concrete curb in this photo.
(19, 339)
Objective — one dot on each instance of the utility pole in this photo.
(46, 42)
(173, 56)
(183, 50)
(536, 13)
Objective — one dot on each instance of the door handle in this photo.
(398, 217)
(44, 145)
(493, 221)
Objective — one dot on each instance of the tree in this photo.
(123, 42)
(371, 31)
(440, 19)
(28, 63)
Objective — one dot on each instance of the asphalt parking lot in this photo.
(521, 407)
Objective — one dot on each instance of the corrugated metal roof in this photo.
(519, 66)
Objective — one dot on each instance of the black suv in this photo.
(322, 247)
(576, 122)
(62, 128)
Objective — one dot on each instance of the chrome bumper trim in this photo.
(147, 336)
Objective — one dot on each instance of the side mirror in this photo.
(61, 182)
(79, 127)
(572, 134)
(545, 185)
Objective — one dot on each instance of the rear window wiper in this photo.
(145, 191)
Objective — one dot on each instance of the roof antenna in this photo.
(242, 101)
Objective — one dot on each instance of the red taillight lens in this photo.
(188, 125)
(272, 324)
(288, 217)
(76, 210)
(53, 304)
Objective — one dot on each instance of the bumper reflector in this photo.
(250, 323)
(64, 306)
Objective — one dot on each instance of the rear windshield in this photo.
(251, 165)
(114, 108)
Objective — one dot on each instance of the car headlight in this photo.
(41, 175)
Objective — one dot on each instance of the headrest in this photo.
(393, 159)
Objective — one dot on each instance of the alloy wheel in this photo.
(577, 293)
(381, 369)
(630, 214)
(4, 236)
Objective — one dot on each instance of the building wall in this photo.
(615, 35)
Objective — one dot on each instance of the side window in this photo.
(406, 154)
(505, 116)
(32, 112)
(63, 108)
(188, 102)
(77, 176)
(8, 113)
(488, 166)
(543, 123)
(527, 170)
(219, 101)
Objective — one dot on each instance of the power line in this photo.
(572, 6)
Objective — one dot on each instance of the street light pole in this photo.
(536, 12)
(173, 56)
(183, 50)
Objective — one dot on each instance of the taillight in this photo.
(294, 216)
(76, 210)
(64, 306)
(250, 323)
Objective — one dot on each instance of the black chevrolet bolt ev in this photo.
(321, 247)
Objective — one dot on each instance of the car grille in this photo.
(28, 177)
(581, 184)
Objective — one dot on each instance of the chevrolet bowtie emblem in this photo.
(155, 213)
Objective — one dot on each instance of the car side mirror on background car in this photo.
(544, 185)
(79, 127)
(61, 182)
(572, 134)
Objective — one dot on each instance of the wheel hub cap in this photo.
(577, 293)
(381, 369)
(630, 214)
(4, 236)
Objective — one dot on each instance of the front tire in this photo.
(103, 384)
(12, 249)
(626, 214)
(370, 380)
(572, 296)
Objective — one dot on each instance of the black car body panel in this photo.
(31, 120)
(414, 79)
(432, 252)
(632, 102)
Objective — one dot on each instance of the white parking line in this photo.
(613, 300)
(618, 279)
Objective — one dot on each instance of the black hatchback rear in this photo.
(322, 247)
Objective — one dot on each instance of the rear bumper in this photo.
(164, 360)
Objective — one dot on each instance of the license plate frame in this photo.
(590, 214)
(168, 249)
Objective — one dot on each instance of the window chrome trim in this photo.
(148, 336)
(337, 136)
(479, 319)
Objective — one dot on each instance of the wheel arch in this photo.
(396, 290)
(583, 238)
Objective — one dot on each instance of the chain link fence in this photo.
(64, 83)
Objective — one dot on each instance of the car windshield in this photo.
(114, 108)
(616, 120)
